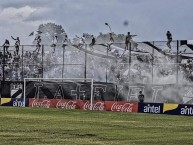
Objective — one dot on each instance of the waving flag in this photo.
(37, 32)
(31, 34)
(186, 42)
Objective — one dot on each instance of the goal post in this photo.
(90, 81)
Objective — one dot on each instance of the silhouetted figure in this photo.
(65, 42)
(54, 42)
(93, 41)
(111, 41)
(9, 59)
(38, 45)
(6, 46)
(1, 57)
(116, 98)
(17, 44)
(128, 39)
(169, 37)
(82, 41)
(141, 97)
(101, 94)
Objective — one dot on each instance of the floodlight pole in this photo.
(108, 26)
(107, 51)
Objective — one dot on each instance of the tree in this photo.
(49, 30)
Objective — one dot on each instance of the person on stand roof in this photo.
(17, 44)
(169, 39)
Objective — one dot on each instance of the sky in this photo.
(148, 19)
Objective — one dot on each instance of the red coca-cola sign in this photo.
(64, 104)
(127, 107)
(86, 105)
(43, 103)
(121, 106)
(53, 103)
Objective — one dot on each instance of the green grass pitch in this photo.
(38, 126)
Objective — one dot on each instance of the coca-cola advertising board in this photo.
(96, 105)
(84, 105)
(53, 103)
(121, 106)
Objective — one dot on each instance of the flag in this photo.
(31, 34)
(190, 42)
(183, 42)
(186, 42)
(39, 32)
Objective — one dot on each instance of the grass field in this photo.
(56, 126)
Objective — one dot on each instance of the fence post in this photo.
(177, 62)
(152, 63)
(63, 63)
(106, 66)
(22, 63)
(3, 82)
(42, 61)
(3, 65)
(129, 61)
(85, 60)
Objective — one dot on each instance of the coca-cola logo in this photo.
(127, 107)
(95, 106)
(41, 103)
(66, 104)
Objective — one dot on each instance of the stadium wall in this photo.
(166, 93)
(114, 106)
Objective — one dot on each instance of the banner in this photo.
(179, 94)
(166, 93)
(155, 108)
(14, 102)
(72, 91)
(66, 104)
(178, 109)
(84, 105)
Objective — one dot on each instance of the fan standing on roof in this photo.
(38, 40)
(128, 40)
(169, 37)
(17, 44)
(6, 46)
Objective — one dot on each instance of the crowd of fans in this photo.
(29, 65)
(143, 69)
(144, 66)
(18, 66)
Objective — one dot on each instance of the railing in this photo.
(137, 67)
